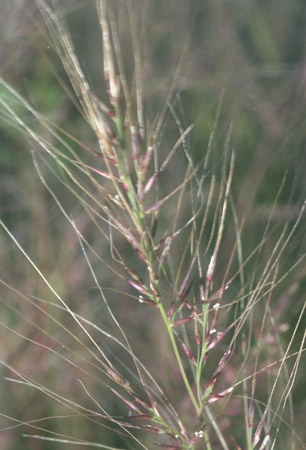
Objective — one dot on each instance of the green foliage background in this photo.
(247, 56)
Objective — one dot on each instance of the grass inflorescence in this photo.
(162, 326)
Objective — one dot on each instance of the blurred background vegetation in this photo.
(246, 59)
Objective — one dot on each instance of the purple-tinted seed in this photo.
(211, 269)
(170, 310)
(140, 194)
(197, 333)
(112, 159)
(251, 415)
(150, 182)
(183, 431)
(153, 404)
(180, 321)
(128, 235)
(256, 438)
(115, 375)
(152, 429)
(165, 250)
(214, 319)
(142, 255)
(146, 161)
(223, 361)
(218, 293)
(226, 391)
(192, 310)
(218, 338)
(137, 286)
(154, 290)
(211, 383)
(202, 291)
(154, 207)
(131, 405)
(187, 351)
(140, 401)
(135, 150)
(264, 442)
(183, 296)
(149, 302)
(214, 397)
(166, 243)
(141, 417)
(184, 290)
(104, 174)
(257, 434)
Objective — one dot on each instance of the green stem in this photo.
(202, 353)
(178, 358)
(207, 441)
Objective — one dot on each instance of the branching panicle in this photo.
(159, 224)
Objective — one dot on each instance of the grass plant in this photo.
(151, 312)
